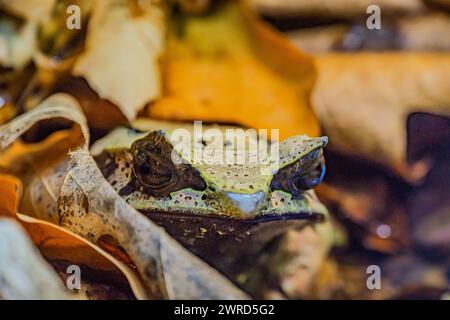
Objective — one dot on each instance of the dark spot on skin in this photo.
(151, 270)
(131, 187)
(106, 163)
(85, 204)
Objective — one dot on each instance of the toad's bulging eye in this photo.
(151, 170)
(154, 170)
(302, 175)
(152, 165)
(311, 179)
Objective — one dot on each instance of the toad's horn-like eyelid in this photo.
(302, 165)
(294, 148)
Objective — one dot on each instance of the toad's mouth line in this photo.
(176, 215)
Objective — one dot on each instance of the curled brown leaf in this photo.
(88, 206)
(366, 108)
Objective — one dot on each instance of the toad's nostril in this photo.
(247, 203)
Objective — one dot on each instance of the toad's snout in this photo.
(247, 203)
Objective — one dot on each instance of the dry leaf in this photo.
(89, 206)
(163, 262)
(34, 163)
(36, 10)
(426, 32)
(409, 276)
(304, 252)
(24, 274)
(230, 67)
(102, 115)
(60, 246)
(318, 39)
(335, 9)
(193, 6)
(17, 44)
(363, 101)
(443, 4)
(9, 190)
(124, 43)
(340, 281)
(429, 210)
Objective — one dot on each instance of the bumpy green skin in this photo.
(250, 178)
(222, 180)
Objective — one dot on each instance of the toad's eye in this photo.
(304, 174)
(152, 165)
(152, 170)
(311, 178)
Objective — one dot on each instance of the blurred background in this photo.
(381, 95)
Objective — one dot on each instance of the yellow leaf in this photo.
(36, 10)
(9, 189)
(123, 46)
(56, 243)
(230, 67)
